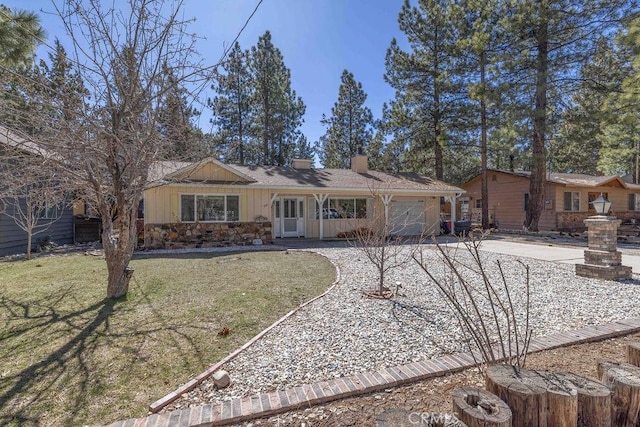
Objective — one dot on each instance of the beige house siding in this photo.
(162, 206)
(506, 198)
(506, 201)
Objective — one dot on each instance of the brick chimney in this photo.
(359, 163)
(301, 163)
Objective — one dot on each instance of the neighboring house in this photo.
(210, 203)
(566, 199)
(13, 239)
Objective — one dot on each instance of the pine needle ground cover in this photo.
(70, 357)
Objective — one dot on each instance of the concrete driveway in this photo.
(549, 252)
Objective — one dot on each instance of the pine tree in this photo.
(620, 152)
(175, 118)
(277, 110)
(233, 114)
(550, 39)
(20, 35)
(349, 129)
(577, 147)
(427, 110)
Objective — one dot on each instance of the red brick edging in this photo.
(279, 401)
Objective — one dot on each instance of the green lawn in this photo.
(70, 357)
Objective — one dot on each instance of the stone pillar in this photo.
(603, 260)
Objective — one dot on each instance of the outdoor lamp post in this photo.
(603, 260)
(601, 205)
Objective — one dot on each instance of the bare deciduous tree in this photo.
(108, 143)
(30, 193)
(495, 324)
(384, 247)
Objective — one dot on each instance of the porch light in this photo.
(601, 205)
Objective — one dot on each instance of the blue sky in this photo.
(318, 39)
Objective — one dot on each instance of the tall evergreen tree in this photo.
(277, 110)
(429, 101)
(620, 152)
(175, 118)
(549, 40)
(20, 35)
(478, 43)
(233, 114)
(578, 144)
(349, 129)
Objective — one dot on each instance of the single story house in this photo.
(566, 199)
(211, 203)
(58, 219)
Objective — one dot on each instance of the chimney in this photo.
(301, 163)
(359, 163)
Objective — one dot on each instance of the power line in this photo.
(198, 89)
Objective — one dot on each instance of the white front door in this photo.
(289, 217)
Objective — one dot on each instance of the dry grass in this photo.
(70, 357)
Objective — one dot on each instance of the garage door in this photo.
(407, 217)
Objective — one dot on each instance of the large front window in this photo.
(343, 208)
(634, 202)
(209, 208)
(572, 201)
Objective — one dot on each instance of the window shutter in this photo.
(632, 202)
(567, 200)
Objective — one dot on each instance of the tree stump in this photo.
(594, 399)
(633, 353)
(562, 400)
(478, 408)
(525, 395)
(624, 381)
(536, 398)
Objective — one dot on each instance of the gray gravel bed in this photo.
(347, 332)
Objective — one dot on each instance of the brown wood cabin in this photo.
(566, 199)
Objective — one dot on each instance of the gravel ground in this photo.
(346, 332)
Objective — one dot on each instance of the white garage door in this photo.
(407, 217)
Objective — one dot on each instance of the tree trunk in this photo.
(484, 191)
(633, 353)
(524, 394)
(594, 399)
(29, 243)
(118, 250)
(624, 381)
(478, 408)
(538, 168)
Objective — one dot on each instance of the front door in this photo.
(291, 217)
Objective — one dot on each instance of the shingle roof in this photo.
(572, 179)
(287, 177)
(15, 141)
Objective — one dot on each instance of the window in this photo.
(209, 208)
(634, 202)
(572, 201)
(526, 202)
(478, 203)
(50, 212)
(344, 208)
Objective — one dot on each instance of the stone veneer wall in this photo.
(204, 235)
(574, 221)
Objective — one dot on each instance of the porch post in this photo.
(452, 202)
(386, 200)
(273, 199)
(320, 199)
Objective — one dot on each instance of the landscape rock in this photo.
(221, 379)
